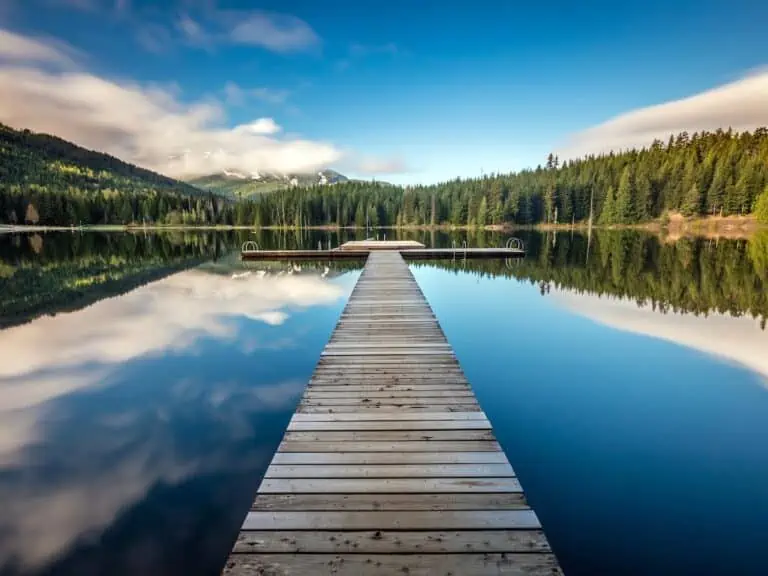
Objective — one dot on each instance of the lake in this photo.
(147, 379)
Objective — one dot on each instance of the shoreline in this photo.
(675, 227)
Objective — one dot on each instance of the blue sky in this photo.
(411, 91)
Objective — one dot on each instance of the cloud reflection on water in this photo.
(736, 339)
(91, 415)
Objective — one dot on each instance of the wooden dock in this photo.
(389, 466)
(359, 249)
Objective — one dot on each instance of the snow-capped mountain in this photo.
(240, 185)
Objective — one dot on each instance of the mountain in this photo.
(48, 181)
(236, 184)
(52, 164)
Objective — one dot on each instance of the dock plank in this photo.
(391, 542)
(389, 564)
(386, 485)
(390, 471)
(403, 520)
(391, 502)
(321, 458)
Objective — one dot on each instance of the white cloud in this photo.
(741, 105)
(271, 95)
(149, 125)
(193, 32)
(261, 126)
(373, 165)
(57, 355)
(276, 32)
(235, 95)
(737, 339)
(17, 48)
(154, 38)
(145, 125)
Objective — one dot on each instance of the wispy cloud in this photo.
(362, 50)
(17, 48)
(235, 95)
(88, 5)
(277, 32)
(148, 125)
(741, 105)
(359, 51)
(371, 166)
(270, 95)
(193, 32)
(154, 38)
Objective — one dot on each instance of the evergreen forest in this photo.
(45, 180)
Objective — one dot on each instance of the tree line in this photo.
(692, 275)
(708, 173)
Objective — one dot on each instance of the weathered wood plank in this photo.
(389, 564)
(345, 389)
(394, 415)
(387, 436)
(390, 542)
(392, 400)
(324, 458)
(410, 446)
(392, 471)
(403, 520)
(391, 425)
(387, 485)
(397, 392)
(406, 408)
(391, 502)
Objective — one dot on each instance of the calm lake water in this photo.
(146, 380)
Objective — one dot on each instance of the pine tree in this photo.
(761, 207)
(624, 204)
(644, 196)
(716, 192)
(692, 201)
(608, 214)
(482, 213)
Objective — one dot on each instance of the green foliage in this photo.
(761, 207)
(693, 275)
(48, 181)
(718, 172)
(692, 201)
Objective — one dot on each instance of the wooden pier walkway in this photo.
(389, 466)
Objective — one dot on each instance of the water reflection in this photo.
(641, 455)
(143, 393)
(739, 339)
(111, 414)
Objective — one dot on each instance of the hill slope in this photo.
(29, 158)
(65, 184)
(237, 185)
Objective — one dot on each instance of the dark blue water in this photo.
(136, 422)
(641, 454)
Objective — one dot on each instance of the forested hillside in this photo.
(47, 180)
(720, 173)
(243, 186)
